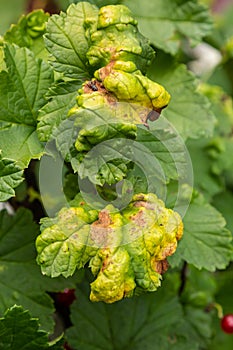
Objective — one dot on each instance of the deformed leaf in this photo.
(126, 249)
(11, 175)
(28, 32)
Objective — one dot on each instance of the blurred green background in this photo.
(11, 10)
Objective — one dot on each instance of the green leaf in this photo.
(143, 322)
(21, 281)
(206, 242)
(22, 90)
(206, 182)
(195, 327)
(61, 97)
(23, 87)
(224, 202)
(167, 22)
(68, 41)
(167, 147)
(98, 3)
(19, 331)
(220, 150)
(10, 177)
(188, 111)
(20, 142)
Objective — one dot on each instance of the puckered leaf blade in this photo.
(28, 32)
(126, 250)
(165, 23)
(67, 40)
(21, 279)
(10, 177)
(206, 242)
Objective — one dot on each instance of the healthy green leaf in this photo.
(10, 177)
(61, 98)
(206, 242)
(206, 182)
(195, 327)
(22, 90)
(20, 142)
(188, 111)
(19, 331)
(68, 40)
(224, 202)
(140, 323)
(167, 22)
(21, 281)
(166, 146)
(98, 3)
(220, 150)
(23, 87)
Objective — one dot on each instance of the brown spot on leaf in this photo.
(100, 229)
(139, 218)
(160, 266)
(169, 249)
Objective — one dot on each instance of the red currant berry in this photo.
(227, 323)
(66, 346)
(66, 297)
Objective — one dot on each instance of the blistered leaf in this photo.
(10, 177)
(126, 250)
(118, 39)
(28, 32)
(130, 85)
